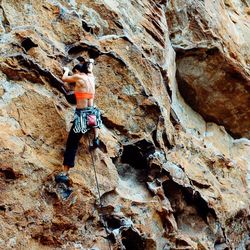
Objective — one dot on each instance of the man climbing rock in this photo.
(86, 115)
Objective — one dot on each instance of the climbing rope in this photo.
(99, 194)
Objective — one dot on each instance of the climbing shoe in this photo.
(62, 178)
(64, 191)
(96, 143)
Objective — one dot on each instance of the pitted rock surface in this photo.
(173, 167)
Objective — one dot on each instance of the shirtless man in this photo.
(85, 112)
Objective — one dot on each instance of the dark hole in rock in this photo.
(166, 141)
(133, 157)
(136, 155)
(81, 59)
(133, 165)
(93, 53)
(181, 197)
(166, 81)
(241, 214)
(79, 49)
(174, 118)
(143, 93)
(174, 194)
(146, 147)
(8, 174)
(200, 204)
(76, 49)
(132, 240)
(59, 107)
(169, 91)
(154, 136)
(212, 51)
(154, 171)
(113, 223)
(27, 44)
(86, 27)
(114, 160)
(235, 76)
(2, 208)
(118, 24)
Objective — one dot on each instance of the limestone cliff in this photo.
(173, 83)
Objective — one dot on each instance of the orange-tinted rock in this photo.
(168, 179)
(212, 45)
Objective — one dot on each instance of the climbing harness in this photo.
(87, 118)
(99, 194)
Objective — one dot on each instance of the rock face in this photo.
(173, 87)
(212, 44)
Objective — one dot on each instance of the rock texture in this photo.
(173, 167)
(212, 44)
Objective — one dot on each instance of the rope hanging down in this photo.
(99, 194)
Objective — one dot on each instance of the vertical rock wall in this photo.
(173, 88)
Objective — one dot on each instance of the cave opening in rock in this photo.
(133, 169)
(27, 44)
(200, 204)
(76, 49)
(113, 223)
(80, 50)
(8, 174)
(214, 87)
(132, 240)
(2, 208)
(133, 157)
(164, 74)
(182, 199)
(86, 27)
(136, 154)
